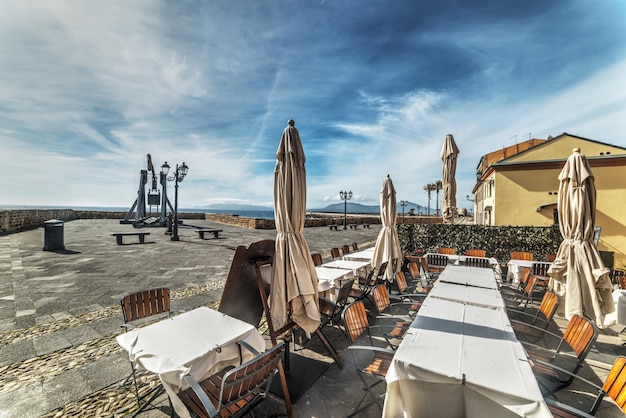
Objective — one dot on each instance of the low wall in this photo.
(15, 220)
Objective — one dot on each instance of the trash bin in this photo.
(53, 235)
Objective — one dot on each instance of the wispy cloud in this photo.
(89, 88)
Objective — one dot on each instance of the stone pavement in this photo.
(59, 314)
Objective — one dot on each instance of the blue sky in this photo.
(87, 89)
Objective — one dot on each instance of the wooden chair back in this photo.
(345, 249)
(380, 294)
(615, 384)
(401, 282)
(539, 269)
(618, 277)
(145, 303)
(446, 250)
(355, 246)
(334, 253)
(355, 320)
(521, 255)
(317, 259)
(436, 262)
(476, 253)
(332, 309)
(233, 391)
(414, 270)
(380, 275)
(580, 335)
(548, 306)
(477, 262)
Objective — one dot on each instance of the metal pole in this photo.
(345, 211)
(175, 227)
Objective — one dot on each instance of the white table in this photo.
(358, 267)
(469, 276)
(363, 255)
(199, 342)
(460, 259)
(460, 359)
(479, 296)
(516, 268)
(329, 278)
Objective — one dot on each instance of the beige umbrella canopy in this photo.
(449, 153)
(293, 287)
(388, 245)
(580, 275)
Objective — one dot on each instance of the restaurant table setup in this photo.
(460, 259)
(363, 255)
(331, 278)
(199, 342)
(359, 268)
(516, 268)
(460, 356)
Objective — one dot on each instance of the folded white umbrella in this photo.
(294, 285)
(388, 245)
(449, 153)
(580, 275)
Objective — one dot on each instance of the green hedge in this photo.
(498, 241)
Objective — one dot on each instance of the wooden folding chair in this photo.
(355, 246)
(317, 259)
(618, 278)
(407, 293)
(579, 336)
(356, 322)
(477, 262)
(137, 306)
(334, 253)
(331, 310)
(233, 391)
(521, 255)
(476, 253)
(436, 263)
(614, 386)
(345, 249)
(531, 326)
(525, 297)
(364, 285)
(446, 250)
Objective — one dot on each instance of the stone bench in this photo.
(366, 226)
(353, 226)
(201, 232)
(119, 235)
(331, 227)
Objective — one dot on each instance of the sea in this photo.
(260, 214)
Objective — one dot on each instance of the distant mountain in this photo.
(234, 206)
(359, 208)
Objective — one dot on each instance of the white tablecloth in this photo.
(363, 255)
(358, 267)
(516, 268)
(479, 296)
(199, 342)
(461, 360)
(329, 278)
(460, 259)
(469, 276)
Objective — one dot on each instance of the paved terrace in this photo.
(60, 314)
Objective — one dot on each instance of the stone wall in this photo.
(18, 220)
(311, 221)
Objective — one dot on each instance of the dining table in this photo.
(459, 259)
(460, 356)
(199, 342)
(331, 278)
(515, 268)
(362, 255)
(359, 268)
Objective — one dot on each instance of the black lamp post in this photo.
(345, 196)
(179, 176)
(403, 203)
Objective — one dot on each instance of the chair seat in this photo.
(380, 365)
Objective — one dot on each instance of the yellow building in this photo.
(521, 188)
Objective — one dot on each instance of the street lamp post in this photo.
(403, 203)
(345, 196)
(179, 176)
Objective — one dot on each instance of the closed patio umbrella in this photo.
(580, 275)
(293, 287)
(449, 153)
(387, 244)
